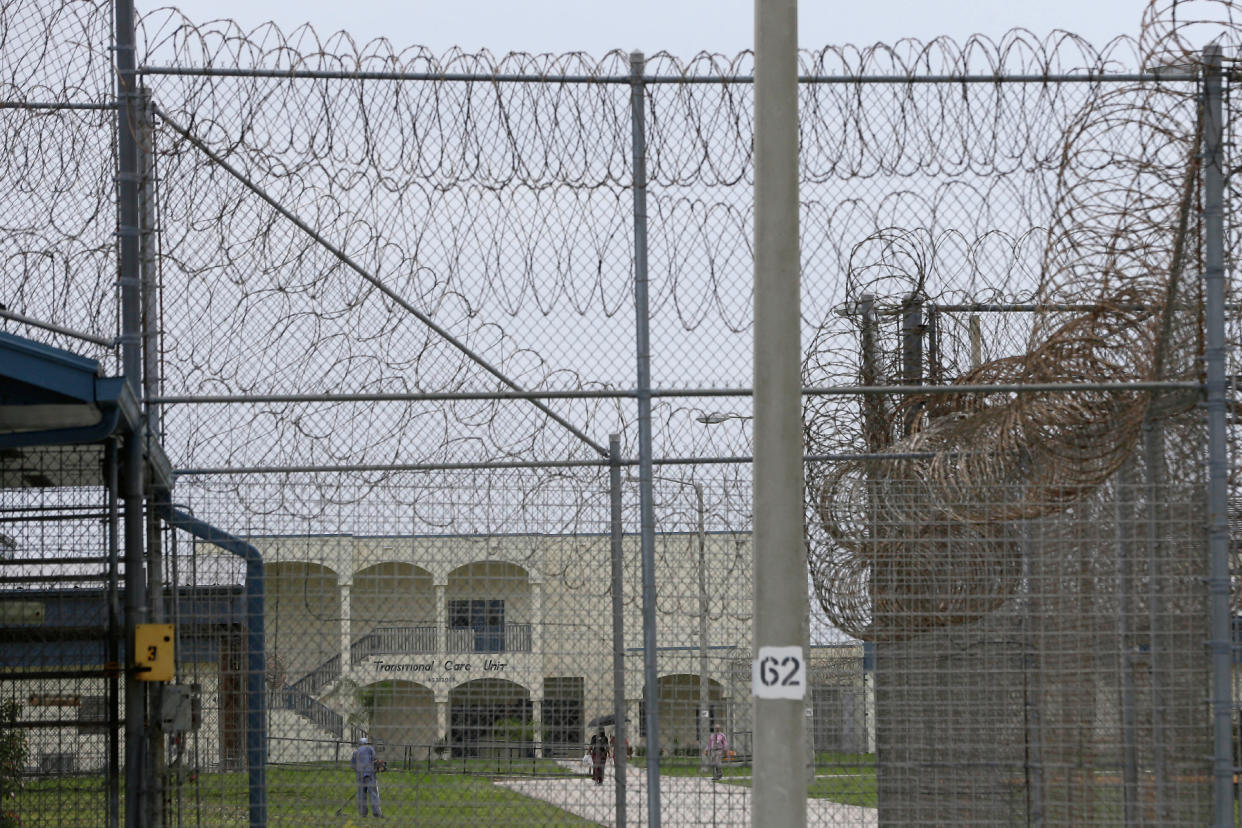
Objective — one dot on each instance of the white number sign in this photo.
(779, 673)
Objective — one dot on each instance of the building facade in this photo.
(441, 647)
(461, 645)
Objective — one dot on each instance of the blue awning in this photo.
(49, 396)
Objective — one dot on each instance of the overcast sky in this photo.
(683, 27)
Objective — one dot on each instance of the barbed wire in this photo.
(493, 194)
(911, 544)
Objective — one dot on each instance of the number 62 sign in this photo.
(779, 673)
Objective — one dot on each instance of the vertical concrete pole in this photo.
(781, 607)
(442, 634)
(344, 605)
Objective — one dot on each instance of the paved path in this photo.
(684, 800)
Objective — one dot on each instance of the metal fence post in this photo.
(645, 504)
(1156, 514)
(115, 626)
(780, 566)
(620, 756)
(1218, 446)
(1125, 518)
(255, 654)
(127, 120)
(911, 351)
(704, 717)
(149, 270)
(1032, 687)
(148, 328)
(874, 426)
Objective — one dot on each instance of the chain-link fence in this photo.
(383, 313)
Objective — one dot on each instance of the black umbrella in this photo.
(604, 721)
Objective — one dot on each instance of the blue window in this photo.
(485, 616)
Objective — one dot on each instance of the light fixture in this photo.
(715, 417)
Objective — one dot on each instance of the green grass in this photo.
(457, 792)
(311, 796)
(688, 766)
(848, 778)
(849, 790)
(853, 760)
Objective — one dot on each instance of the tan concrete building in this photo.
(444, 646)
(461, 645)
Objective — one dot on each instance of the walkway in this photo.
(684, 800)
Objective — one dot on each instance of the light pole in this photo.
(707, 418)
(704, 690)
(703, 718)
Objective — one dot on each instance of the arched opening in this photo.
(303, 628)
(680, 712)
(562, 716)
(489, 608)
(392, 610)
(401, 717)
(490, 717)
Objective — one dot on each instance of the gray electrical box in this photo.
(178, 705)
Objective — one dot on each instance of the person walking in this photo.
(717, 744)
(599, 756)
(366, 773)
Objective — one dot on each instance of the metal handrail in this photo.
(320, 677)
(317, 713)
(516, 639)
(422, 638)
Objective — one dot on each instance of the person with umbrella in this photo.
(610, 720)
(599, 755)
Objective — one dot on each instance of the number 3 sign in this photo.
(779, 673)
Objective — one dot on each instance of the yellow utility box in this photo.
(153, 652)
